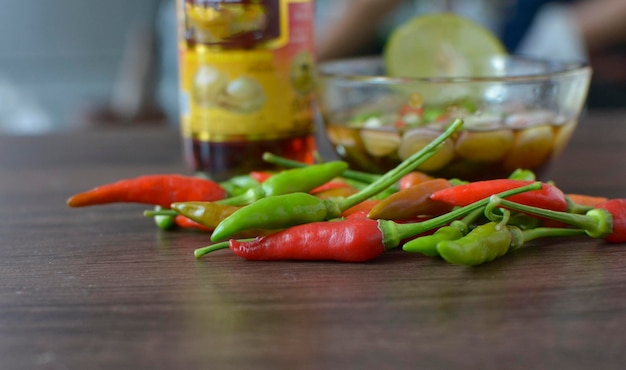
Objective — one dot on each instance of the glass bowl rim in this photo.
(562, 68)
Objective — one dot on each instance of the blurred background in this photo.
(63, 59)
(74, 64)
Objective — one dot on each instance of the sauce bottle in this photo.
(246, 83)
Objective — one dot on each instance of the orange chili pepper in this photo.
(187, 223)
(333, 184)
(208, 214)
(412, 202)
(586, 200)
(261, 176)
(413, 178)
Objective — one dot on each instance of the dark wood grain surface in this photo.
(102, 288)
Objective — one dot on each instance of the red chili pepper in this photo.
(617, 208)
(161, 190)
(350, 240)
(261, 176)
(187, 223)
(413, 201)
(548, 197)
(333, 184)
(354, 239)
(361, 209)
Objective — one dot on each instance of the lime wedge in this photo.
(441, 45)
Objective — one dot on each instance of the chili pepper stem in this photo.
(577, 208)
(365, 177)
(402, 169)
(211, 248)
(597, 223)
(545, 232)
(199, 252)
(469, 218)
(292, 180)
(358, 185)
(395, 232)
(162, 212)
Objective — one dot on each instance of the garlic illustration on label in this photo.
(208, 84)
(243, 95)
(212, 89)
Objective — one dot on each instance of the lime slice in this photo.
(441, 45)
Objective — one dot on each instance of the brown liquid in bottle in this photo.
(224, 160)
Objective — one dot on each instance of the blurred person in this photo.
(533, 27)
(133, 99)
(587, 30)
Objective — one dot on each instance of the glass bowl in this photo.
(520, 114)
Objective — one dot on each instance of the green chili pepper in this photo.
(238, 185)
(522, 174)
(494, 239)
(483, 244)
(289, 181)
(427, 244)
(363, 177)
(524, 221)
(277, 212)
(303, 208)
(361, 185)
(164, 221)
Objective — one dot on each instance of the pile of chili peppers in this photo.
(327, 211)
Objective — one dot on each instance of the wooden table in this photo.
(101, 287)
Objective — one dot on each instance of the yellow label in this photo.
(246, 72)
